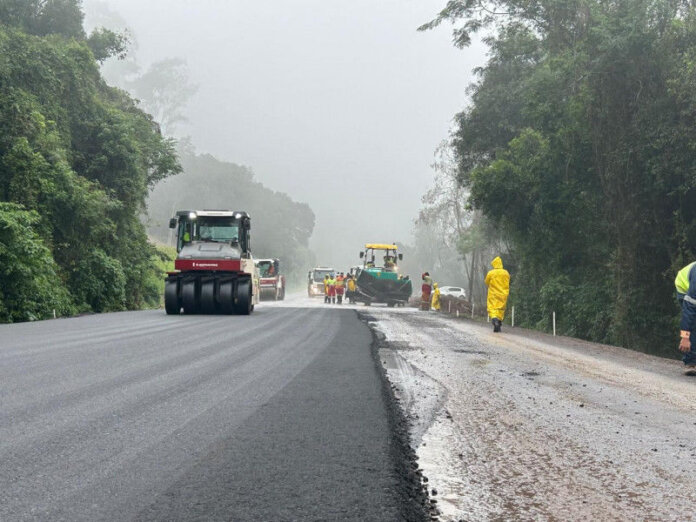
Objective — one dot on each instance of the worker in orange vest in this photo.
(340, 287)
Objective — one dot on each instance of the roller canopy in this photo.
(380, 246)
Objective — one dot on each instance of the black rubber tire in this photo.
(282, 294)
(171, 298)
(226, 295)
(188, 297)
(208, 297)
(243, 304)
(391, 304)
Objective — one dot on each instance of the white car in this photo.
(453, 291)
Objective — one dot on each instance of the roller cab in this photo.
(214, 268)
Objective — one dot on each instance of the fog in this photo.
(338, 104)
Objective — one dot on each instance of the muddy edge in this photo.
(413, 493)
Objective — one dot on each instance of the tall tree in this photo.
(577, 146)
(77, 158)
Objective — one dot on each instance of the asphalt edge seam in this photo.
(413, 494)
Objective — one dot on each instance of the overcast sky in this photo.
(339, 104)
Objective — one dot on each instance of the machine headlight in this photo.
(192, 215)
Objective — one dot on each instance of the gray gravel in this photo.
(526, 426)
(278, 416)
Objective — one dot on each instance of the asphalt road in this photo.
(139, 416)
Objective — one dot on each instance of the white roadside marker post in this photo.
(554, 324)
(513, 316)
(473, 305)
(449, 307)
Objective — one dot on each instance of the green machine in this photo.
(379, 280)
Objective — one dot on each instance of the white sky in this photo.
(339, 104)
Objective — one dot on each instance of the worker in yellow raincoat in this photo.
(498, 283)
(350, 294)
(435, 305)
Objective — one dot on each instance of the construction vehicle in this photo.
(271, 282)
(378, 280)
(315, 280)
(214, 268)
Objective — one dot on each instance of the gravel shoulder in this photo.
(521, 425)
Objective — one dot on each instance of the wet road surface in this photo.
(525, 426)
(139, 416)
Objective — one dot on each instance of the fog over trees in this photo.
(339, 105)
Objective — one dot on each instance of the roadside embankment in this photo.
(524, 425)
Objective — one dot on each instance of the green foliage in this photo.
(99, 282)
(579, 145)
(43, 17)
(81, 155)
(30, 287)
(107, 44)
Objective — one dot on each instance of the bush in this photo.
(30, 287)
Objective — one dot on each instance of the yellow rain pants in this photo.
(498, 283)
(436, 298)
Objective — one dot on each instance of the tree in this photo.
(577, 146)
(30, 286)
(80, 156)
(164, 90)
(44, 17)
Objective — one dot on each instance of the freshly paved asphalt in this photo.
(141, 416)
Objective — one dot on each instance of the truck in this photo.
(315, 280)
(271, 281)
(214, 270)
(379, 280)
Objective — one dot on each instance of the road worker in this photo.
(332, 289)
(426, 290)
(498, 283)
(327, 299)
(340, 288)
(350, 288)
(685, 283)
(436, 298)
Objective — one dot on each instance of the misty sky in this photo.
(339, 104)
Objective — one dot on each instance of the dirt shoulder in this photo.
(523, 425)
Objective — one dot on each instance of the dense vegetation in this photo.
(280, 227)
(76, 160)
(578, 146)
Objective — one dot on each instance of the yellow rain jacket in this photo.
(351, 285)
(436, 297)
(498, 283)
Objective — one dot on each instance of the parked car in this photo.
(453, 291)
